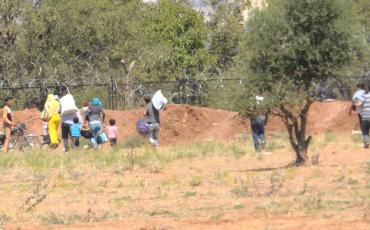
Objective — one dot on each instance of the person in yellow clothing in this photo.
(52, 107)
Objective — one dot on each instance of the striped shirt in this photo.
(365, 107)
(358, 96)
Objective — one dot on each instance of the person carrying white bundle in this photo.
(69, 111)
(151, 112)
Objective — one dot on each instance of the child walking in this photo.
(76, 128)
(112, 132)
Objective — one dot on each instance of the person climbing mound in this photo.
(151, 112)
(258, 121)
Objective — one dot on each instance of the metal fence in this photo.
(113, 95)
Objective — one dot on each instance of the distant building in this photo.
(254, 4)
(207, 10)
(150, 1)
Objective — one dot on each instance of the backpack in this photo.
(142, 126)
(68, 104)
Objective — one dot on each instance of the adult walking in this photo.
(258, 121)
(95, 116)
(358, 96)
(52, 108)
(69, 111)
(7, 121)
(363, 103)
(151, 113)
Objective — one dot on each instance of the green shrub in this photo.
(356, 138)
(196, 181)
(240, 191)
(134, 142)
(51, 218)
(330, 137)
(237, 151)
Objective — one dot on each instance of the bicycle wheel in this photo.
(30, 142)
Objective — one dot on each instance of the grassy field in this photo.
(198, 186)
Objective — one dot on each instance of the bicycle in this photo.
(21, 139)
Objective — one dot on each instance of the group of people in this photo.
(89, 121)
(62, 112)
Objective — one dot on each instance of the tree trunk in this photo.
(296, 126)
(129, 99)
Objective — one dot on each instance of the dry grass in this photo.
(207, 183)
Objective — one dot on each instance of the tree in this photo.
(176, 36)
(226, 33)
(363, 11)
(11, 12)
(292, 45)
(76, 35)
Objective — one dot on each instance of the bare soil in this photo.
(219, 189)
(214, 192)
(184, 123)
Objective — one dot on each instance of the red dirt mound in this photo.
(324, 116)
(184, 123)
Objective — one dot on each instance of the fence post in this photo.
(114, 95)
(111, 91)
(109, 97)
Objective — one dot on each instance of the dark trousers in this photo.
(360, 122)
(258, 132)
(66, 132)
(365, 131)
(75, 142)
(113, 141)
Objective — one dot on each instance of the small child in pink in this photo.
(112, 132)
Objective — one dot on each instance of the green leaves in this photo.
(182, 33)
(304, 40)
(301, 41)
(225, 35)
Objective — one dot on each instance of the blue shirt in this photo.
(76, 130)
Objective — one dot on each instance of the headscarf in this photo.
(52, 106)
(96, 102)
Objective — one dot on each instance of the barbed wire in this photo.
(184, 90)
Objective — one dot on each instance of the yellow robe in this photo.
(52, 107)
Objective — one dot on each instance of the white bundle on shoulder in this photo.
(158, 100)
(68, 104)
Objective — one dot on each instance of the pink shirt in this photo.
(112, 131)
